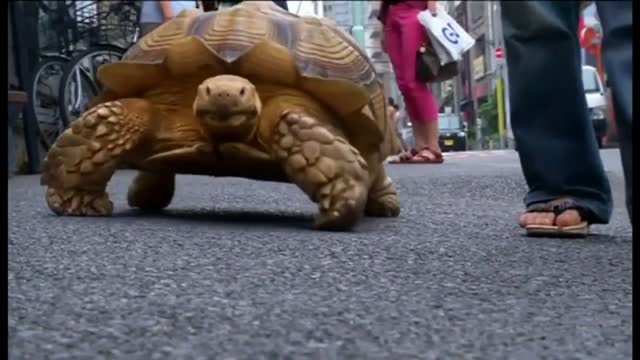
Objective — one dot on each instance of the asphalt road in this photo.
(232, 271)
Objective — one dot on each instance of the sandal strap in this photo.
(436, 154)
(559, 206)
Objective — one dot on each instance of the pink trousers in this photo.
(403, 37)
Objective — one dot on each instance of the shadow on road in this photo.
(592, 239)
(226, 217)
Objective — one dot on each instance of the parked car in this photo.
(596, 101)
(453, 136)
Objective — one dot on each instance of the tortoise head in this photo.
(229, 107)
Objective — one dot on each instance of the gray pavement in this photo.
(232, 271)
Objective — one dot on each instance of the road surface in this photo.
(232, 271)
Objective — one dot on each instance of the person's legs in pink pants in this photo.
(403, 37)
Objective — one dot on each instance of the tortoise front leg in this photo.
(83, 159)
(325, 166)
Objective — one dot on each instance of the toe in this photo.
(539, 218)
(568, 218)
(525, 219)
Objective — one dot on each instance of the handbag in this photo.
(428, 68)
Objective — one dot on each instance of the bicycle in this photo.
(46, 76)
(79, 84)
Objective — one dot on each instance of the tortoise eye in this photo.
(242, 91)
(208, 89)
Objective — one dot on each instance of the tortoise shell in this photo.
(262, 42)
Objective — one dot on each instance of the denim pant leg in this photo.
(616, 17)
(554, 135)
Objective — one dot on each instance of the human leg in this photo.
(556, 143)
(617, 50)
(406, 35)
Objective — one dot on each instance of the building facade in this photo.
(373, 32)
(339, 11)
(478, 77)
(359, 18)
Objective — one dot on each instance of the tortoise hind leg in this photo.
(83, 159)
(325, 166)
(151, 191)
(383, 198)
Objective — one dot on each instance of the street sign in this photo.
(499, 54)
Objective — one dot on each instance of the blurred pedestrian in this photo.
(229, 3)
(393, 113)
(402, 37)
(155, 13)
(568, 187)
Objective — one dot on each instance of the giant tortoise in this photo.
(251, 91)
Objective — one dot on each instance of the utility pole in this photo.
(456, 96)
(357, 31)
(494, 61)
(502, 79)
(457, 86)
(472, 78)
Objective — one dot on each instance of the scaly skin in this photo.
(329, 170)
(163, 139)
(317, 156)
(83, 159)
(158, 134)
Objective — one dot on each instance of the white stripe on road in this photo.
(476, 153)
(466, 154)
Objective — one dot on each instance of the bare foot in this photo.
(546, 215)
(567, 218)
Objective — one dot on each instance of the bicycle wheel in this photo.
(79, 84)
(44, 97)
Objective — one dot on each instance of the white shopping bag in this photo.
(443, 54)
(448, 38)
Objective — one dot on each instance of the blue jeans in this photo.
(549, 117)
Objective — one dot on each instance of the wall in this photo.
(19, 148)
(12, 76)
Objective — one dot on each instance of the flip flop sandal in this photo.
(418, 158)
(557, 207)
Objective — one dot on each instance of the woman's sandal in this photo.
(414, 156)
(420, 158)
(558, 207)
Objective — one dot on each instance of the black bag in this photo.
(428, 68)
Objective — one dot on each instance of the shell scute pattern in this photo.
(318, 48)
(321, 50)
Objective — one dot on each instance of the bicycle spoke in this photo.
(81, 84)
(44, 98)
